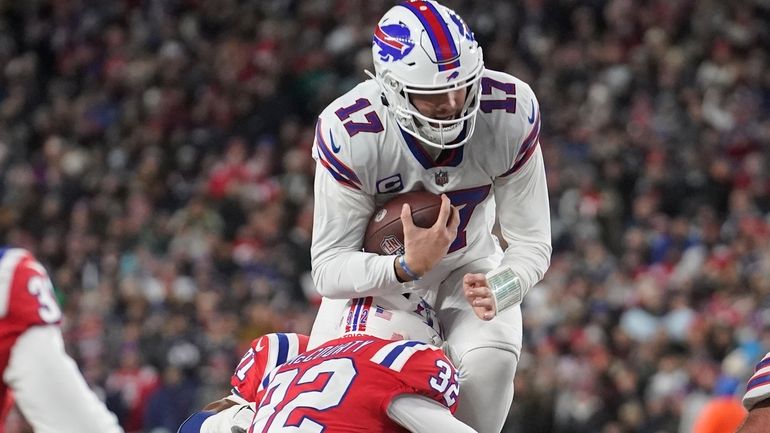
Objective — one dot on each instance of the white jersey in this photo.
(364, 158)
(758, 387)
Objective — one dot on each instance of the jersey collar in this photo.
(447, 157)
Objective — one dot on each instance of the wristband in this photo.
(506, 289)
(405, 268)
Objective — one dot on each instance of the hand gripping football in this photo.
(385, 233)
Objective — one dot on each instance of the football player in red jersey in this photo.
(46, 384)
(386, 374)
(248, 384)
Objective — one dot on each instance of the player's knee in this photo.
(488, 371)
(488, 365)
(486, 388)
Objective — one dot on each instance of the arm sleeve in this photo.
(420, 414)
(524, 214)
(339, 268)
(49, 389)
(265, 354)
(758, 387)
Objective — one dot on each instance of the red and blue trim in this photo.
(358, 315)
(447, 53)
(527, 148)
(447, 158)
(339, 171)
(758, 381)
(388, 360)
(762, 364)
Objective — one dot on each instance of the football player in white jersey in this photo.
(432, 117)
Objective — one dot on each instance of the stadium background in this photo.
(155, 156)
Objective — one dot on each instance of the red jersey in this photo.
(26, 299)
(347, 384)
(266, 353)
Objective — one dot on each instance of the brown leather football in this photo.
(385, 233)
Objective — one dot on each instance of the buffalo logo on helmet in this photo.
(394, 40)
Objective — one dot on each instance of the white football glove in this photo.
(234, 419)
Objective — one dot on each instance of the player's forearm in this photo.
(529, 261)
(66, 405)
(525, 221)
(339, 268)
(422, 415)
(347, 275)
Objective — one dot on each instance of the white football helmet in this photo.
(392, 318)
(422, 47)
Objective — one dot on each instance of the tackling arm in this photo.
(420, 414)
(49, 389)
(222, 416)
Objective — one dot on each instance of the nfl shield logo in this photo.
(441, 177)
(391, 245)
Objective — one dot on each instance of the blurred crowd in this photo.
(155, 156)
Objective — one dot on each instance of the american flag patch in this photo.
(383, 313)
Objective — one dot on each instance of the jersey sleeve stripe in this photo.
(527, 148)
(395, 355)
(294, 348)
(329, 156)
(401, 360)
(272, 353)
(8, 263)
(758, 386)
(762, 364)
(757, 381)
(531, 139)
(338, 177)
(380, 355)
(283, 350)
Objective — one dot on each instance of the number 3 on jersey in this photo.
(445, 382)
(41, 288)
(274, 416)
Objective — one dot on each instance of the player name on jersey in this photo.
(337, 349)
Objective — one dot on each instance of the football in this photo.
(385, 233)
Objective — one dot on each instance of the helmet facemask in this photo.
(433, 132)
